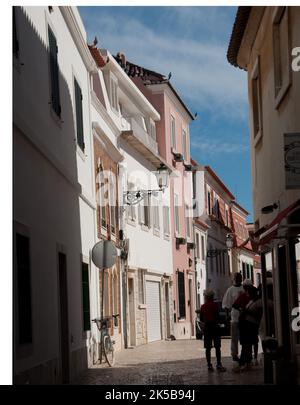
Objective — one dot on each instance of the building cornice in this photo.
(169, 90)
(104, 114)
(78, 38)
(109, 147)
(129, 85)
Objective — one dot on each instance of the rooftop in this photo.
(238, 30)
(149, 77)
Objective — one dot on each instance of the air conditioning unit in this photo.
(177, 157)
(180, 241)
(191, 245)
(188, 168)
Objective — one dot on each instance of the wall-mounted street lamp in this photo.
(270, 208)
(135, 196)
(229, 244)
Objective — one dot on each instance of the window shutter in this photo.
(86, 297)
(54, 71)
(79, 116)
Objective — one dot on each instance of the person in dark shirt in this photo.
(209, 315)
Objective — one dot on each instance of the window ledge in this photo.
(282, 94)
(142, 306)
(156, 232)
(258, 138)
(55, 117)
(131, 222)
(103, 231)
(80, 152)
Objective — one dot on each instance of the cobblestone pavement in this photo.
(170, 363)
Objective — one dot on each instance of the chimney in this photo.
(121, 56)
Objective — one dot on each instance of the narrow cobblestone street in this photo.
(170, 363)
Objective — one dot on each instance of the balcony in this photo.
(140, 140)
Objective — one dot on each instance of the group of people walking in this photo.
(243, 303)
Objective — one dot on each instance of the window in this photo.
(258, 279)
(197, 246)
(23, 289)
(184, 145)
(114, 94)
(131, 212)
(176, 213)
(256, 101)
(216, 210)
(54, 71)
(15, 35)
(188, 227)
(152, 131)
(112, 204)
(181, 294)
(156, 216)
(244, 271)
(144, 210)
(166, 215)
(202, 247)
(115, 297)
(141, 286)
(223, 262)
(79, 117)
(209, 203)
(226, 216)
(173, 133)
(102, 212)
(281, 52)
(85, 296)
(112, 209)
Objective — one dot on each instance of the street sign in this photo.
(104, 254)
(292, 160)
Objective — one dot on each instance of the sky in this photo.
(191, 43)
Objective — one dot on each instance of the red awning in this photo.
(269, 232)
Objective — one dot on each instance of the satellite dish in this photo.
(104, 254)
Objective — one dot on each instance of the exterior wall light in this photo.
(269, 208)
(135, 196)
(229, 244)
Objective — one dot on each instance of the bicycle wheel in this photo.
(109, 350)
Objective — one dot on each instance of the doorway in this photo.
(131, 311)
(63, 318)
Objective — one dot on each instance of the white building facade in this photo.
(145, 227)
(55, 286)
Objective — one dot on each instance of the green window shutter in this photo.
(54, 71)
(23, 290)
(86, 297)
(79, 115)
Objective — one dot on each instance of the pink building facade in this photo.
(172, 136)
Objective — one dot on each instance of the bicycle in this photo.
(106, 343)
